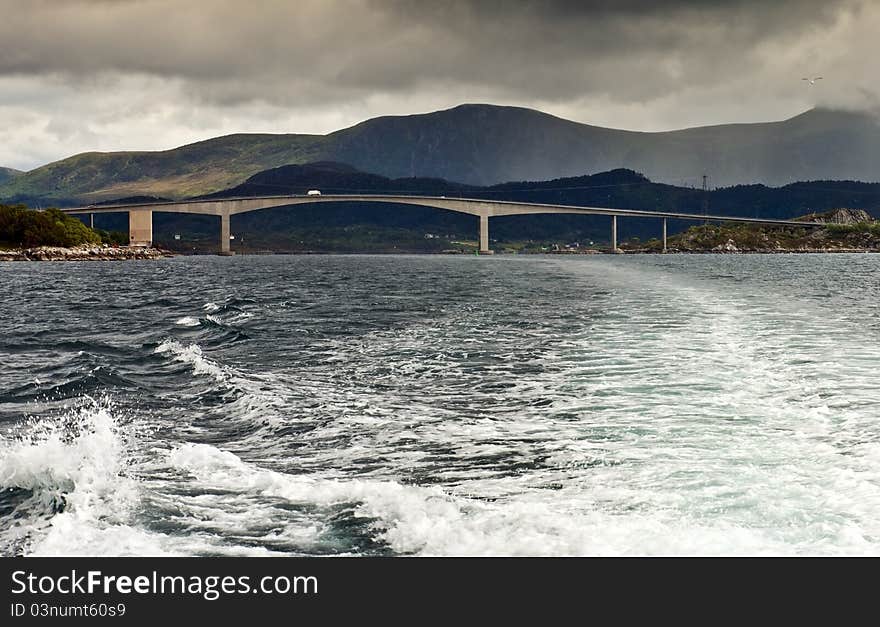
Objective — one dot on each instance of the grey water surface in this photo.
(441, 405)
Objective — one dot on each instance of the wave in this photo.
(191, 321)
(192, 354)
(95, 380)
(216, 330)
(428, 521)
(66, 482)
(231, 304)
(74, 497)
(91, 347)
(254, 402)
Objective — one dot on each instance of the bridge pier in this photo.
(140, 227)
(664, 235)
(484, 235)
(614, 234)
(224, 234)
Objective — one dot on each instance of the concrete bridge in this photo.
(140, 216)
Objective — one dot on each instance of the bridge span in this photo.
(140, 215)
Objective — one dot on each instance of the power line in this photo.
(705, 195)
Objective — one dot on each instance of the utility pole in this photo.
(705, 196)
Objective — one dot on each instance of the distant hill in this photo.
(7, 174)
(333, 178)
(344, 226)
(483, 145)
(619, 188)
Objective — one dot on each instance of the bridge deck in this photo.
(473, 206)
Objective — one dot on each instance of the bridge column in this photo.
(140, 227)
(664, 235)
(614, 234)
(484, 235)
(91, 220)
(224, 234)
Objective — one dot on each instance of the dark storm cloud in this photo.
(629, 49)
(196, 67)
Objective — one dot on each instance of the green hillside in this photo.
(7, 174)
(190, 170)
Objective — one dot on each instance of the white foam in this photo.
(49, 458)
(429, 521)
(77, 462)
(192, 354)
(187, 321)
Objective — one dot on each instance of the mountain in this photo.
(7, 174)
(193, 169)
(482, 145)
(362, 227)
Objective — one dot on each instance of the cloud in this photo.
(112, 74)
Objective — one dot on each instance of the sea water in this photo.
(441, 405)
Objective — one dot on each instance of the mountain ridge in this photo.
(481, 144)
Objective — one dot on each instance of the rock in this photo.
(729, 247)
(840, 216)
(81, 253)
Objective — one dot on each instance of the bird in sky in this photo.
(812, 80)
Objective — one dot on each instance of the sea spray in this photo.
(73, 466)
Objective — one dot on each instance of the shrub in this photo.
(20, 226)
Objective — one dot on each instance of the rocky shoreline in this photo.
(843, 231)
(732, 248)
(82, 253)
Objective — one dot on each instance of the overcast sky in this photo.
(79, 75)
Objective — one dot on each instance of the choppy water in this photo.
(441, 406)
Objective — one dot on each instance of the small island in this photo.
(846, 230)
(50, 235)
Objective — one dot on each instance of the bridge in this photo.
(140, 215)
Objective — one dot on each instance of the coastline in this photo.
(123, 253)
(776, 251)
(82, 253)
